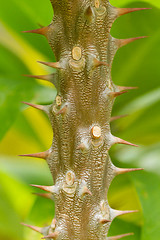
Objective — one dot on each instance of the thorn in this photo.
(42, 155)
(89, 13)
(51, 189)
(126, 170)
(63, 110)
(97, 63)
(122, 88)
(117, 213)
(83, 146)
(37, 229)
(43, 31)
(120, 236)
(123, 11)
(53, 223)
(123, 42)
(103, 221)
(116, 94)
(52, 235)
(40, 107)
(121, 141)
(41, 77)
(85, 190)
(51, 64)
(45, 195)
(50, 78)
(117, 117)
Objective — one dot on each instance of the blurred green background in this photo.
(26, 130)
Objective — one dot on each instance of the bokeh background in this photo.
(25, 130)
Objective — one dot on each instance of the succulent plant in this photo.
(80, 115)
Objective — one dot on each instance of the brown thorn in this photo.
(45, 195)
(41, 77)
(37, 229)
(117, 117)
(103, 221)
(51, 64)
(121, 141)
(42, 155)
(40, 107)
(118, 213)
(126, 170)
(122, 88)
(52, 235)
(43, 31)
(45, 188)
(123, 42)
(85, 190)
(97, 63)
(116, 94)
(63, 110)
(123, 11)
(89, 13)
(120, 236)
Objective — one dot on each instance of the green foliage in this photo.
(24, 130)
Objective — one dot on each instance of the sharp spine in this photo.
(120, 236)
(116, 94)
(52, 78)
(119, 171)
(85, 191)
(103, 221)
(122, 88)
(42, 155)
(63, 110)
(51, 64)
(121, 141)
(37, 229)
(117, 213)
(52, 235)
(97, 63)
(52, 189)
(118, 117)
(42, 31)
(89, 14)
(45, 195)
(39, 107)
(123, 11)
(123, 42)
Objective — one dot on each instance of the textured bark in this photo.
(80, 116)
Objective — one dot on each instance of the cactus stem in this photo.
(37, 229)
(120, 236)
